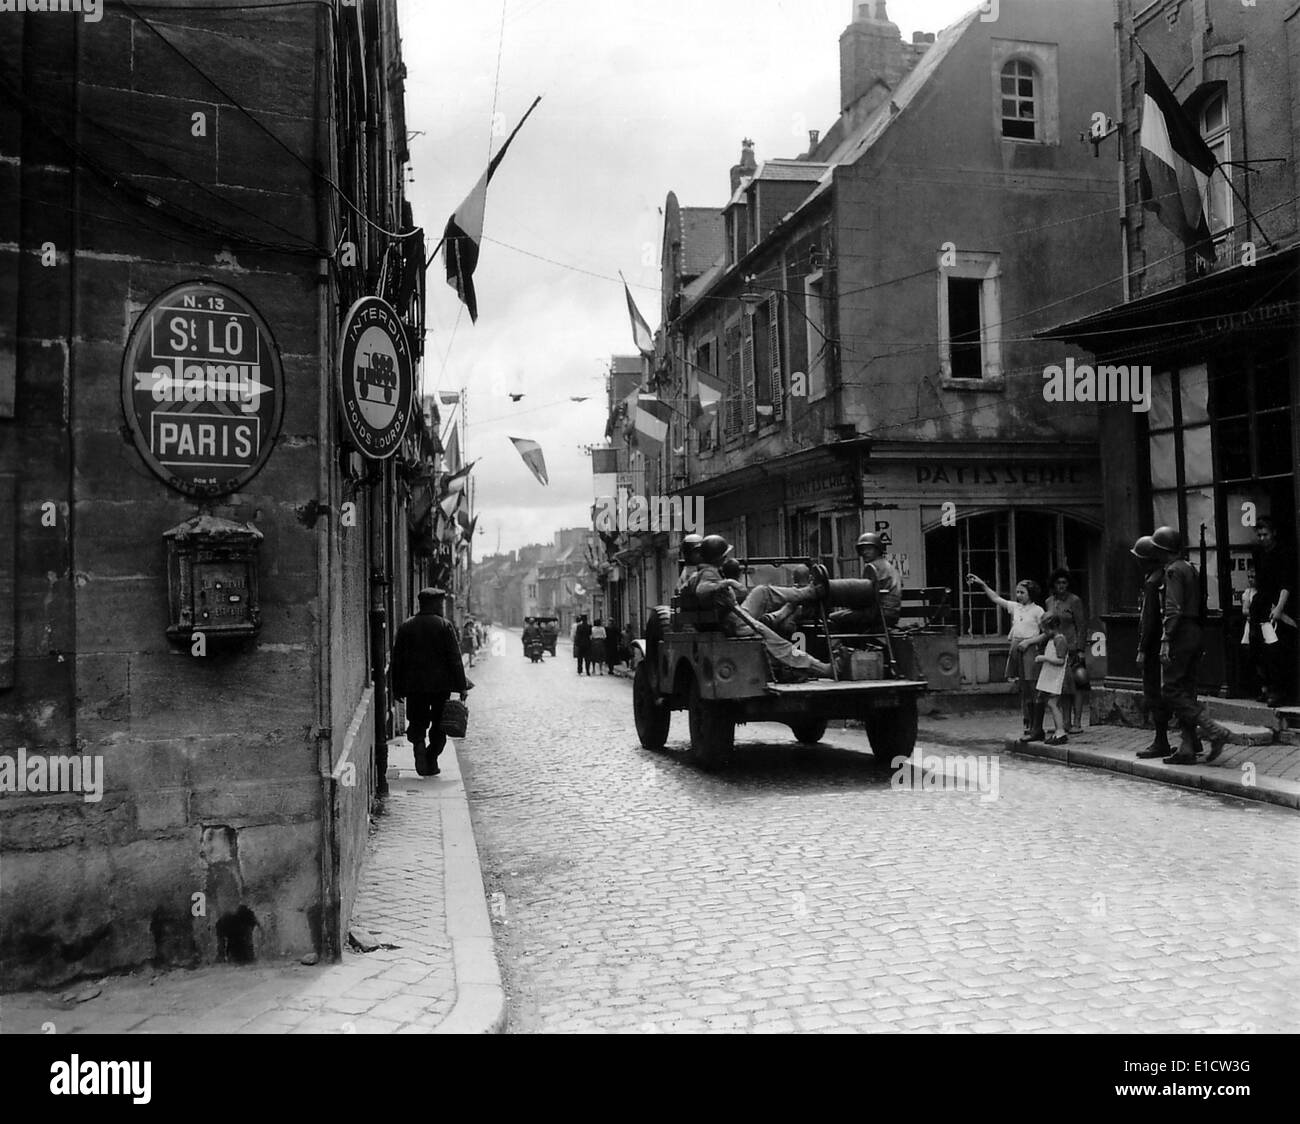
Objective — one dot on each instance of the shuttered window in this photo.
(776, 392)
(749, 419)
(732, 403)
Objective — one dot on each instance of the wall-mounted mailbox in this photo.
(212, 579)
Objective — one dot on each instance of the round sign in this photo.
(376, 386)
(202, 388)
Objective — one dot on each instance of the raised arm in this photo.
(1001, 602)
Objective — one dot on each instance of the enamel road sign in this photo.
(375, 378)
(202, 388)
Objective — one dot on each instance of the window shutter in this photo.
(774, 354)
(733, 403)
(750, 418)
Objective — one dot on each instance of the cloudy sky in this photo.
(638, 99)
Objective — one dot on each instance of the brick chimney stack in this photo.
(873, 60)
(747, 166)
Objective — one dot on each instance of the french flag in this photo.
(464, 232)
(1176, 163)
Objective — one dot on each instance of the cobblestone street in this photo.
(799, 891)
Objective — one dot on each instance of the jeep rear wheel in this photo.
(891, 731)
(713, 730)
(651, 719)
(809, 731)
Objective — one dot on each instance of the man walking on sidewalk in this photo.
(426, 670)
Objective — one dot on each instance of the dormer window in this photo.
(1020, 100)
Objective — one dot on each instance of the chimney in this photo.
(747, 166)
(873, 60)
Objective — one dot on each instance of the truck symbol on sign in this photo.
(381, 374)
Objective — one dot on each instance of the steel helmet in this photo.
(1168, 538)
(714, 548)
(1145, 549)
(690, 546)
(872, 538)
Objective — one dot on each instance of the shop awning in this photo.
(1210, 308)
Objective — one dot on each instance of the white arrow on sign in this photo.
(216, 388)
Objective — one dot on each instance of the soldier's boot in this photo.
(1216, 733)
(1036, 732)
(1160, 747)
(1186, 752)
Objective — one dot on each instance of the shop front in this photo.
(1214, 456)
(1006, 512)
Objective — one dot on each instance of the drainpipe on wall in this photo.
(1119, 133)
(330, 880)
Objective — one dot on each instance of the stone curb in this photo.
(480, 1006)
(1208, 778)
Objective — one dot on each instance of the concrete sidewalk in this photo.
(1265, 772)
(432, 969)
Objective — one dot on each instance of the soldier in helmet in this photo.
(712, 587)
(1149, 635)
(877, 571)
(1179, 651)
(689, 560)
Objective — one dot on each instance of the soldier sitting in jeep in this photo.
(710, 587)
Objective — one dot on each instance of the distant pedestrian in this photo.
(426, 670)
(582, 644)
(613, 646)
(598, 646)
(1026, 615)
(1054, 661)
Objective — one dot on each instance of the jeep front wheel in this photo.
(713, 730)
(651, 718)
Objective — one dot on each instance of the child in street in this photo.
(1025, 618)
(1051, 678)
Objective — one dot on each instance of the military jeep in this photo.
(692, 664)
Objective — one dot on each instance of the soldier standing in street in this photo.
(1150, 630)
(426, 670)
(1180, 650)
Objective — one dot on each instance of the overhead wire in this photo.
(275, 137)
